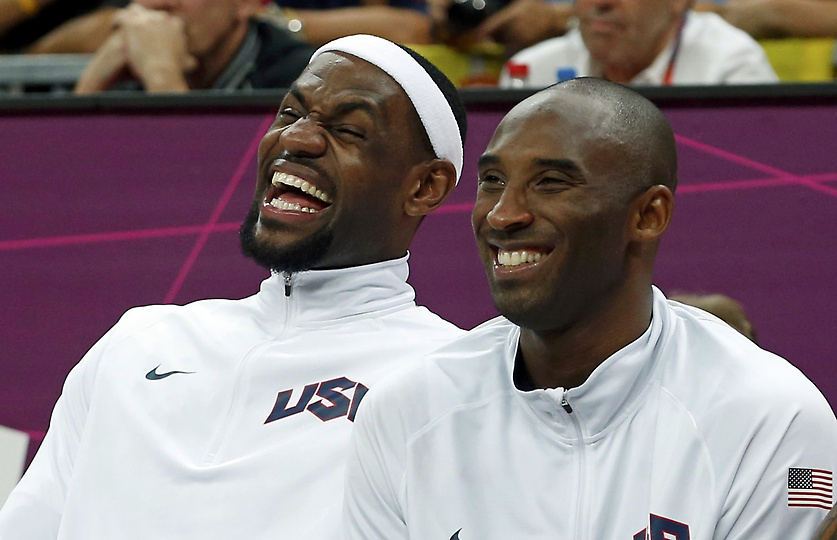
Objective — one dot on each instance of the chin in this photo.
(303, 254)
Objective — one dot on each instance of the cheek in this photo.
(480, 213)
(268, 142)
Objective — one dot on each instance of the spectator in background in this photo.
(524, 23)
(179, 45)
(778, 18)
(643, 42)
(828, 528)
(22, 22)
(320, 21)
(723, 307)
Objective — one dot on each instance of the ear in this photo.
(651, 213)
(433, 182)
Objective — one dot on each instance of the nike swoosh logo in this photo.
(455, 535)
(154, 376)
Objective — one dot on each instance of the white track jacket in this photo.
(221, 419)
(689, 433)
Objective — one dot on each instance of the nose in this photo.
(511, 212)
(304, 138)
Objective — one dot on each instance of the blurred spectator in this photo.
(524, 23)
(828, 529)
(723, 307)
(779, 18)
(178, 45)
(643, 42)
(24, 21)
(320, 21)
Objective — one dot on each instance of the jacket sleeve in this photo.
(34, 508)
(372, 507)
(783, 487)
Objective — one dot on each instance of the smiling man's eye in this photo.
(552, 183)
(490, 182)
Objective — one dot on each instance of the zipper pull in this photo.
(566, 404)
(287, 284)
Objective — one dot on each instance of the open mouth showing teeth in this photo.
(518, 258)
(293, 193)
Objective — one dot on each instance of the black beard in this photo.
(303, 255)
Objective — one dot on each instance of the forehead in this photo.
(338, 76)
(556, 125)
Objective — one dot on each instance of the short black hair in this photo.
(448, 90)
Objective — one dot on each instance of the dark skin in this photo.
(828, 529)
(551, 182)
(349, 130)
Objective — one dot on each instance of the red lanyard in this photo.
(669, 76)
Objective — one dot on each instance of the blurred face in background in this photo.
(627, 35)
(212, 26)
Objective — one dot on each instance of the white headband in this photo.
(433, 109)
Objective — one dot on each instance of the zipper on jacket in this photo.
(581, 494)
(287, 283)
(566, 404)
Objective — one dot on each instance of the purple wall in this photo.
(102, 211)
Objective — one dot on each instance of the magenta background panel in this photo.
(101, 211)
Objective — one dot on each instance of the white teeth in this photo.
(516, 258)
(284, 205)
(280, 178)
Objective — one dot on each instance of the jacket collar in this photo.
(613, 390)
(316, 296)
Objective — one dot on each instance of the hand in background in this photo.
(156, 48)
(108, 67)
(525, 22)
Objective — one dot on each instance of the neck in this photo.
(566, 357)
(215, 61)
(624, 72)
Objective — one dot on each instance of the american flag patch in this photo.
(810, 488)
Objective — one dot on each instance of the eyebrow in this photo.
(487, 159)
(343, 108)
(297, 93)
(561, 164)
(566, 165)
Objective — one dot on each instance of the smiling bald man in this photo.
(593, 408)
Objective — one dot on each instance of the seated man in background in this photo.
(643, 42)
(24, 21)
(764, 19)
(594, 407)
(828, 528)
(320, 21)
(722, 306)
(168, 46)
(230, 419)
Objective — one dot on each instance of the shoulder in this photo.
(218, 318)
(727, 54)
(704, 27)
(568, 44)
(460, 373)
(421, 319)
(721, 376)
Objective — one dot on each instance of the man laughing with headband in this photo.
(230, 418)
